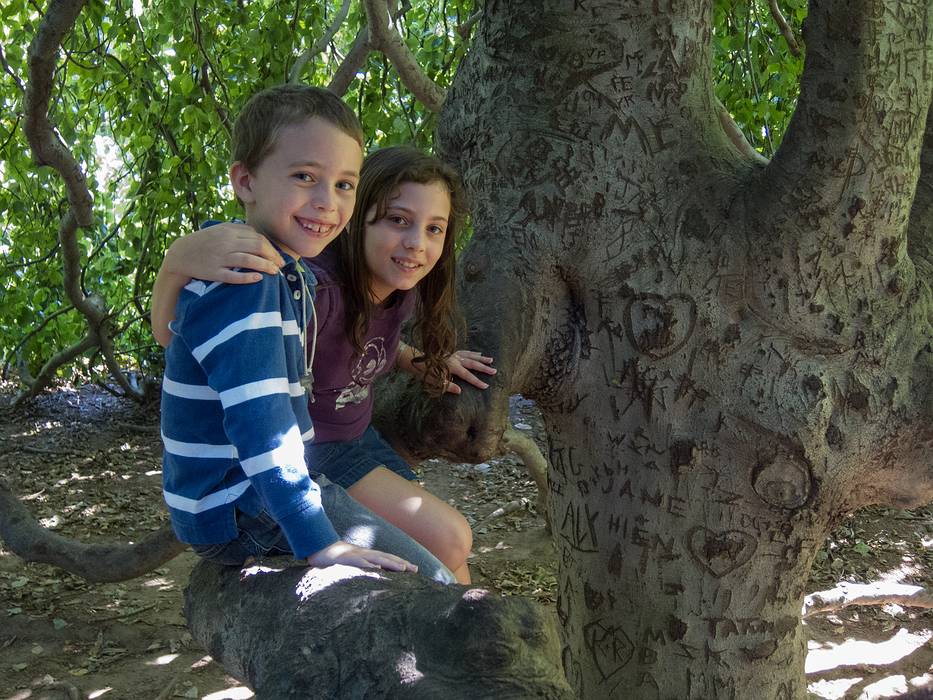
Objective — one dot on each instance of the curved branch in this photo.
(49, 150)
(384, 38)
(535, 463)
(846, 594)
(351, 64)
(99, 563)
(735, 134)
(784, 27)
(47, 373)
(321, 42)
(47, 147)
(464, 29)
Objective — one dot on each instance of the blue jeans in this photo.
(345, 462)
(261, 536)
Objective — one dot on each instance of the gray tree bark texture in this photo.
(354, 634)
(729, 355)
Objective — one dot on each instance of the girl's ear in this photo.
(242, 182)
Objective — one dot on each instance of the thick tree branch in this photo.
(848, 160)
(98, 563)
(321, 42)
(920, 227)
(288, 629)
(846, 594)
(384, 38)
(784, 27)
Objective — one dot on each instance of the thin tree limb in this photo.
(464, 29)
(98, 563)
(47, 373)
(30, 334)
(386, 39)
(206, 83)
(846, 594)
(784, 27)
(735, 134)
(535, 463)
(321, 42)
(351, 64)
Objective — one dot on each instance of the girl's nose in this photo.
(414, 240)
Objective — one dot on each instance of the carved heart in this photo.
(720, 553)
(659, 326)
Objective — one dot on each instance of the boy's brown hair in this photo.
(267, 112)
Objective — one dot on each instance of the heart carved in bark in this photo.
(720, 553)
(659, 326)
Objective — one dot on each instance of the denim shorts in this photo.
(345, 462)
(260, 536)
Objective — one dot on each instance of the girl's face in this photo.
(403, 246)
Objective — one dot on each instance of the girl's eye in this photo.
(436, 230)
(346, 186)
(395, 219)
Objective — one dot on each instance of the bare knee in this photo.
(454, 540)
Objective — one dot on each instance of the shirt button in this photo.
(296, 294)
(291, 278)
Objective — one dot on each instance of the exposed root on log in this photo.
(97, 562)
(535, 463)
(846, 594)
(292, 632)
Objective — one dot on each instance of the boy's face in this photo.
(301, 195)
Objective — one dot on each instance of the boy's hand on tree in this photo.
(341, 552)
(212, 253)
(463, 363)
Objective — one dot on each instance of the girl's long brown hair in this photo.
(434, 330)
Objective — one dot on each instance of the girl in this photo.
(395, 258)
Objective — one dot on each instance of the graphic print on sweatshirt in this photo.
(367, 368)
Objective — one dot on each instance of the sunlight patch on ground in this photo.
(240, 692)
(163, 660)
(832, 690)
(827, 655)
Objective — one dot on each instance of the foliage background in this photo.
(145, 93)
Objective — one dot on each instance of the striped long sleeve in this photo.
(234, 416)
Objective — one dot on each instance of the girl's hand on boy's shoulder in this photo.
(214, 253)
(463, 364)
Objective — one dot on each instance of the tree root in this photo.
(846, 594)
(98, 563)
(535, 463)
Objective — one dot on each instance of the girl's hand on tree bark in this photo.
(341, 552)
(212, 253)
(463, 363)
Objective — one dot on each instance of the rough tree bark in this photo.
(729, 356)
(343, 632)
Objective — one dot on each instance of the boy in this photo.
(234, 408)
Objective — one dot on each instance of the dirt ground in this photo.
(87, 464)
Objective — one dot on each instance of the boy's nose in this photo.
(323, 198)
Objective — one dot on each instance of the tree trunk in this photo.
(729, 355)
(343, 632)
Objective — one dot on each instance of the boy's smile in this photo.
(301, 194)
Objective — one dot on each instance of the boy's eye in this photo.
(304, 177)
(346, 186)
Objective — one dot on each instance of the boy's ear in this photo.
(242, 182)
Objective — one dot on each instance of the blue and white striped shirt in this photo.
(234, 415)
